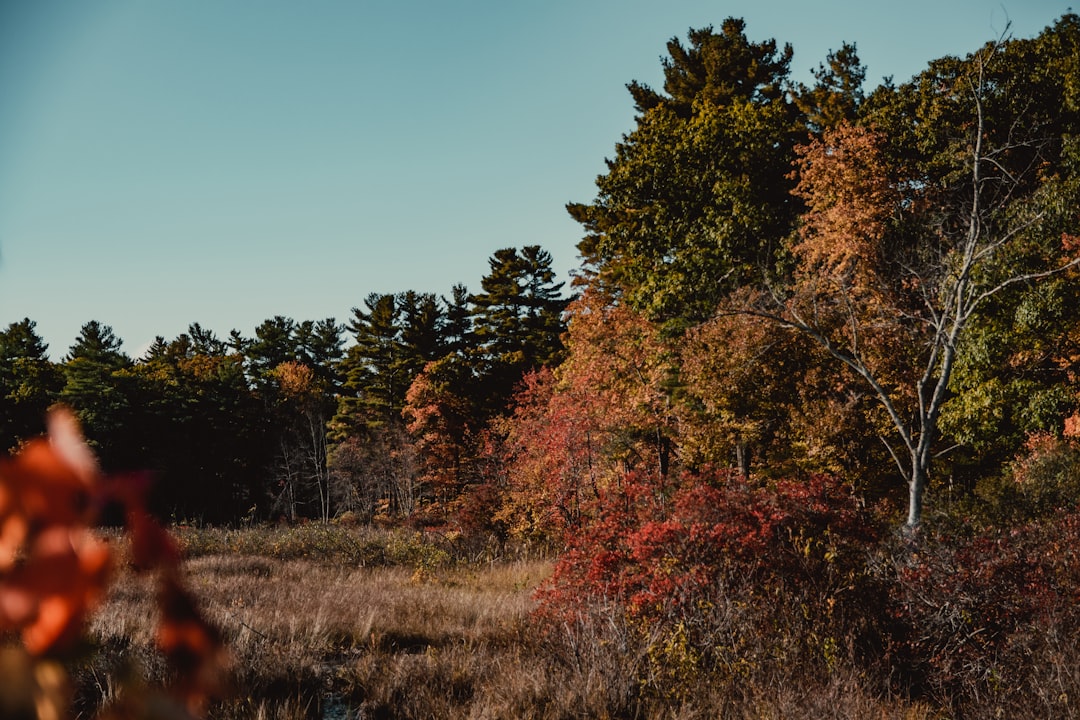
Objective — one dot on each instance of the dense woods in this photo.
(821, 355)
(305, 419)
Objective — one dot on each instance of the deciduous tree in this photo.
(893, 299)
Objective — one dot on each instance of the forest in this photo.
(289, 425)
(812, 399)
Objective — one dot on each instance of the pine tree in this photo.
(29, 383)
(99, 388)
(697, 198)
(517, 323)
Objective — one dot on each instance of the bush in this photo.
(985, 620)
(727, 579)
(745, 588)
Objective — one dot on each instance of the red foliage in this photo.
(971, 609)
(659, 553)
(576, 431)
(53, 569)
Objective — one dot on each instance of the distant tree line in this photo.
(778, 279)
(305, 419)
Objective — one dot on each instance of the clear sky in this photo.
(164, 162)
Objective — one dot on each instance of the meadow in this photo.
(349, 622)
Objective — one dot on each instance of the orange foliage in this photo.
(850, 286)
(296, 379)
(578, 430)
(435, 418)
(844, 180)
(54, 570)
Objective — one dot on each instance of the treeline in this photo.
(781, 279)
(777, 278)
(304, 419)
(806, 316)
(820, 403)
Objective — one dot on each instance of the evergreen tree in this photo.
(99, 388)
(396, 336)
(275, 342)
(322, 347)
(697, 198)
(544, 309)
(371, 367)
(157, 350)
(205, 342)
(422, 338)
(517, 323)
(457, 330)
(837, 95)
(204, 433)
(97, 343)
(717, 68)
(29, 383)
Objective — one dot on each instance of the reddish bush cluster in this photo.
(977, 612)
(721, 579)
(726, 578)
(663, 552)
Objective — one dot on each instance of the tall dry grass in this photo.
(451, 639)
(305, 633)
(311, 640)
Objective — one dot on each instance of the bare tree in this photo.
(874, 303)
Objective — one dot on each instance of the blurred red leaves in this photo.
(54, 570)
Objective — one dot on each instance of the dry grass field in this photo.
(305, 635)
(417, 630)
(314, 637)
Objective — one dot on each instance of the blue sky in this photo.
(164, 162)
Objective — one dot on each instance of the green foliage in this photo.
(29, 383)
(517, 323)
(697, 198)
(837, 95)
(394, 337)
(1042, 482)
(102, 391)
(204, 432)
(717, 67)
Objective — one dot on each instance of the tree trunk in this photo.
(916, 488)
(742, 458)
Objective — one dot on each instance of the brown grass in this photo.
(452, 639)
(302, 633)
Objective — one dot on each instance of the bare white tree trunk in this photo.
(953, 292)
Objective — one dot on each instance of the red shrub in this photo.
(973, 611)
(660, 553)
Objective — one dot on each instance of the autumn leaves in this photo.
(54, 569)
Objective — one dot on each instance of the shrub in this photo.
(743, 588)
(980, 617)
(727, 578)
